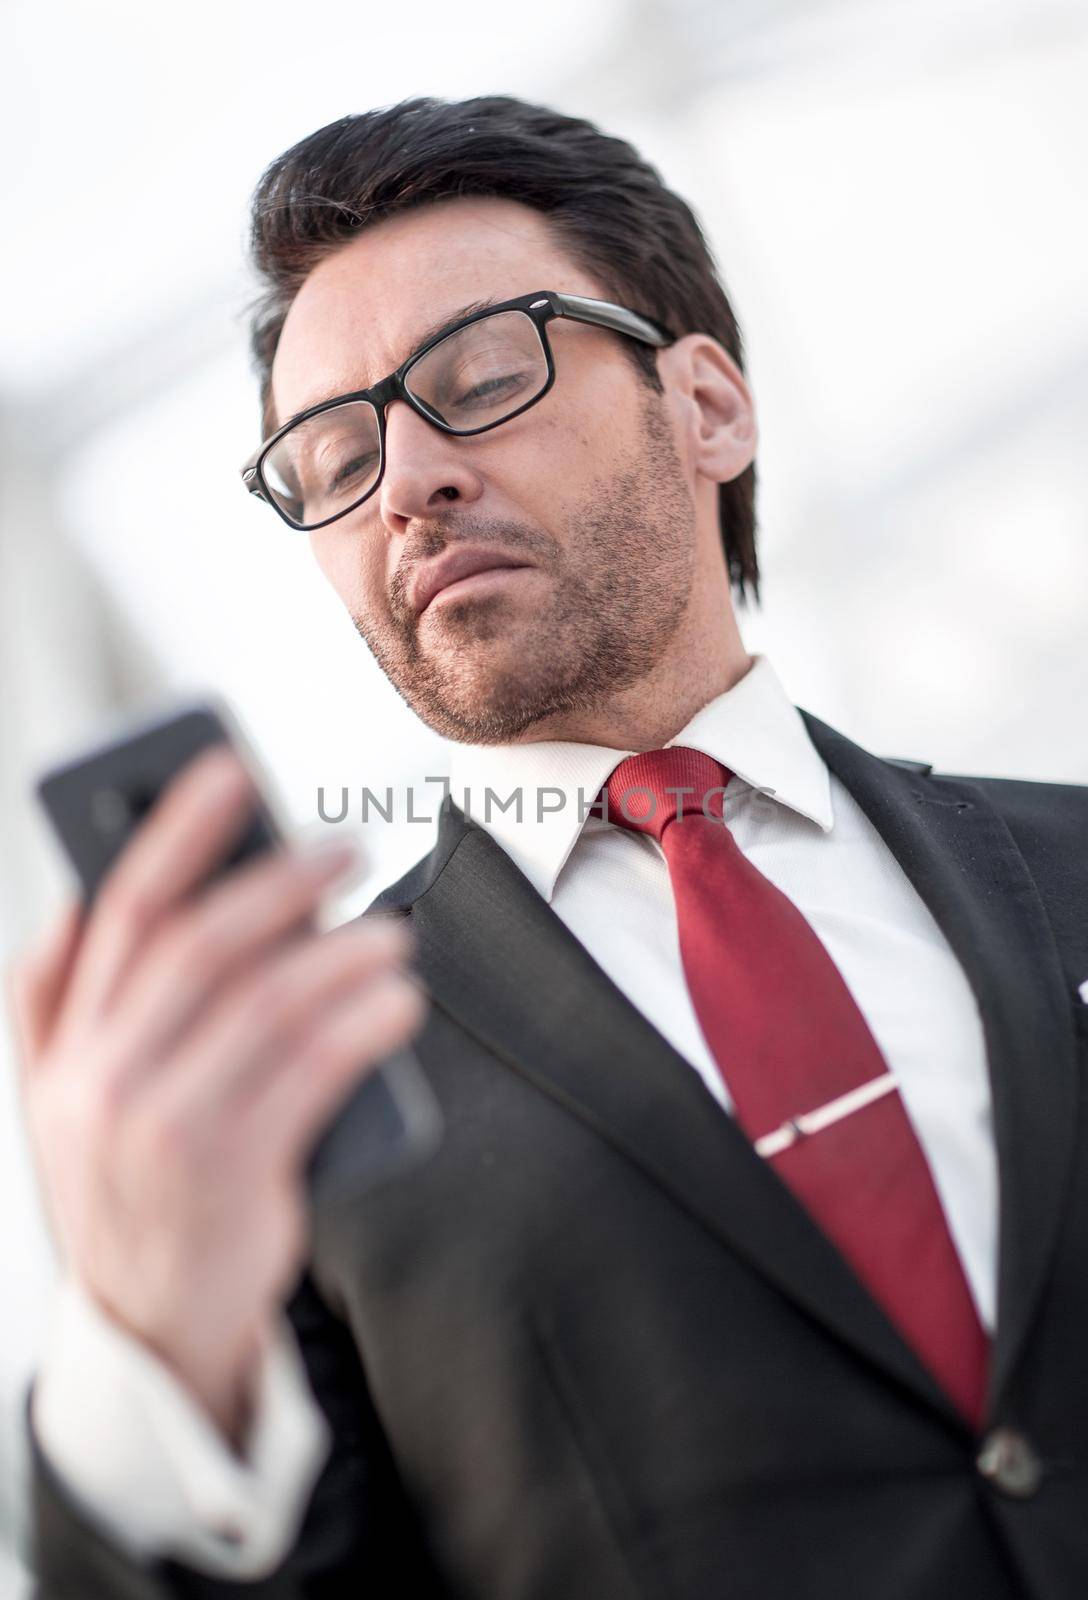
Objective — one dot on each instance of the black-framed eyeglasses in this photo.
(477, 374)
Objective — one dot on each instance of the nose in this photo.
(425, 469)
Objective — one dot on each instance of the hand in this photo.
(183, 1045)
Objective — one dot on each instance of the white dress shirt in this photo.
(172, 1483)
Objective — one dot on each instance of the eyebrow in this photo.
(443, 325)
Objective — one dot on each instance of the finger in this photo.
(293, 1106)
(36, 984)
(230, 929)
(189, 830)
(257, 1027)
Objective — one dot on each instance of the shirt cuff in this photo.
(144, 1462)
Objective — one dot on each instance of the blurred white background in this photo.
(896, 193)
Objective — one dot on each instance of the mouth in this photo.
(460, 572)
(487, 580)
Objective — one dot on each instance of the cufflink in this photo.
(228, 1533)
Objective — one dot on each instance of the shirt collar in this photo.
(753, 729)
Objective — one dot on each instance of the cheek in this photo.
(352, 565)
(596, 436)
(561, 457)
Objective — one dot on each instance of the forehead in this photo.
(365, 308)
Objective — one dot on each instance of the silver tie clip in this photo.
(794, 1128)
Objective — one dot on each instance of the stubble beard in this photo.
(620, 583)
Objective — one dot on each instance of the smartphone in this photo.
(95, 802)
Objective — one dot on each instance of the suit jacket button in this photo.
(1008, 1460)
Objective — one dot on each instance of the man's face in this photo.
(586, 488)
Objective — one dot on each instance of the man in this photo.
(751, 1263)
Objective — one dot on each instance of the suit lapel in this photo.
(497, 958)
(958, 853)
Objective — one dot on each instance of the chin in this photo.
(477, 654)
(487, 701)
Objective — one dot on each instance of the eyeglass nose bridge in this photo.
(381, 397)
(395, 388)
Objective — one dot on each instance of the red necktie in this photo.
(809, 1084)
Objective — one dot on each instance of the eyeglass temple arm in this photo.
(605, 315)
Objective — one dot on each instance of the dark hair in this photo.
(606, 204)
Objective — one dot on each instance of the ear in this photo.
(715, 405)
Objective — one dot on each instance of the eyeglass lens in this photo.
(471, 379)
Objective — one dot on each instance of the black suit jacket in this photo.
(594, 1350)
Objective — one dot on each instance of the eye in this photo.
(490, 388)
(360, 464)
(482, 373)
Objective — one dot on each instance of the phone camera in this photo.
(112, 810)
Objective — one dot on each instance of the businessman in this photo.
(752, 1262)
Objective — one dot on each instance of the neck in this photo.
(646, 714)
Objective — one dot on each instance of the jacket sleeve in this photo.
(168, 1481)
(358, 1536)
